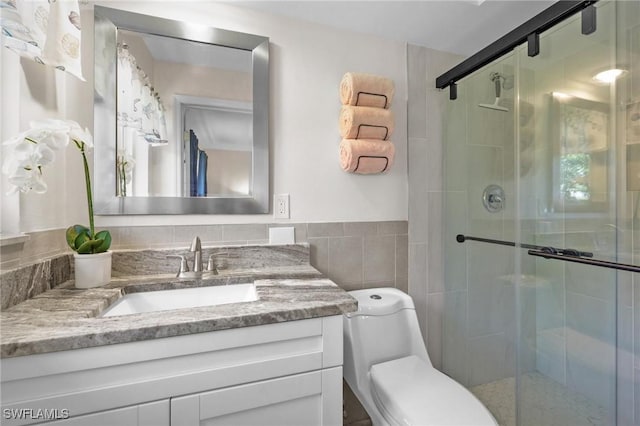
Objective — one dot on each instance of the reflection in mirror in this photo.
(191, 118)
(581, 133)
(218, 150)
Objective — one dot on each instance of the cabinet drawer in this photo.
(150, 414)
(294, 400)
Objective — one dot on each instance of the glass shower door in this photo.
(479, 314)
(543, 341)
(566, 189)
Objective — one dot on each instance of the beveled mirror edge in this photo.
(107, 21)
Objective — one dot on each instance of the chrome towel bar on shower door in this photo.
(564, 252)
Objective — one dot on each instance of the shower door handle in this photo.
(582, 260)
(534, 248)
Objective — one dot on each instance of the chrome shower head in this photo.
(495, 105)
(495, 78)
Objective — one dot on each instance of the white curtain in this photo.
(139, 106)
(48, 33)
(141, 125)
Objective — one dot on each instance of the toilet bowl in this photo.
(388, 369)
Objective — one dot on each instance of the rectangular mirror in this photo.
(181, 117)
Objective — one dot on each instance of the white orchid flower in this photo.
(20, 179)
(15, 140)
(35, 148)
(38, 185)
(10, 165)
(54, 133)
(79, 134)
(29, 153)
(24, 166)
(19, 159)
(24, 149)
(28, 179)
(43, 155)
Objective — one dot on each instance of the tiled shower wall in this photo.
(355, 255)
(426, 264)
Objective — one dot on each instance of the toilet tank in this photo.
(385, 327)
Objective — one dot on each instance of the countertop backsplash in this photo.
(352, 254)
(154, 261)
(25, 282)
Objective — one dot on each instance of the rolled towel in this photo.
(366, 156)
(358, 122)
(366, 90)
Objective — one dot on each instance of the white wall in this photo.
(32, 92)
(307, 63)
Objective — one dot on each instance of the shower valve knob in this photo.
(493, 198)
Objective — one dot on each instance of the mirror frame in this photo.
(107, 23)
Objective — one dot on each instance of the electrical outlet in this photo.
(281, 206)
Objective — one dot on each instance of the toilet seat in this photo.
(411, 392)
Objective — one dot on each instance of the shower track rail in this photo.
(528, 32)
(567, 254)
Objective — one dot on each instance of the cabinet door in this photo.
(150, 414)
(293, 400)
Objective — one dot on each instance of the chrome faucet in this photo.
(196, 248)
(197, 271)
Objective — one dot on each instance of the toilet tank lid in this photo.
(380, 301)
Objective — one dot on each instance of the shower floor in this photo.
(544, 402)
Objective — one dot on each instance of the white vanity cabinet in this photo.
(150, 414)
(286, 401)
(275, 374)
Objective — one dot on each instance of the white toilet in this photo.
(387, 366)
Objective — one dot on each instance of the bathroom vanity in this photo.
(273, 361)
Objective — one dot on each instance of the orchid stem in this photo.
(87, 179)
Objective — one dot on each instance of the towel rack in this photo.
(372, 156)
(386, 130)
(386, 100)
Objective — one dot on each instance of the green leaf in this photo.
(82, 238)
(88, 246)
(72, 234)
(106, 236)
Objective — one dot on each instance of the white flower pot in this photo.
(92, 270)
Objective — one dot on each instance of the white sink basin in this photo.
(164, 300)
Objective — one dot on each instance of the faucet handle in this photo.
(184, 266)
(211, 265)
(218, 260)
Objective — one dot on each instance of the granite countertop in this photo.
(68, 318)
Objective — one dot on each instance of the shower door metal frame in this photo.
(527, 32)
